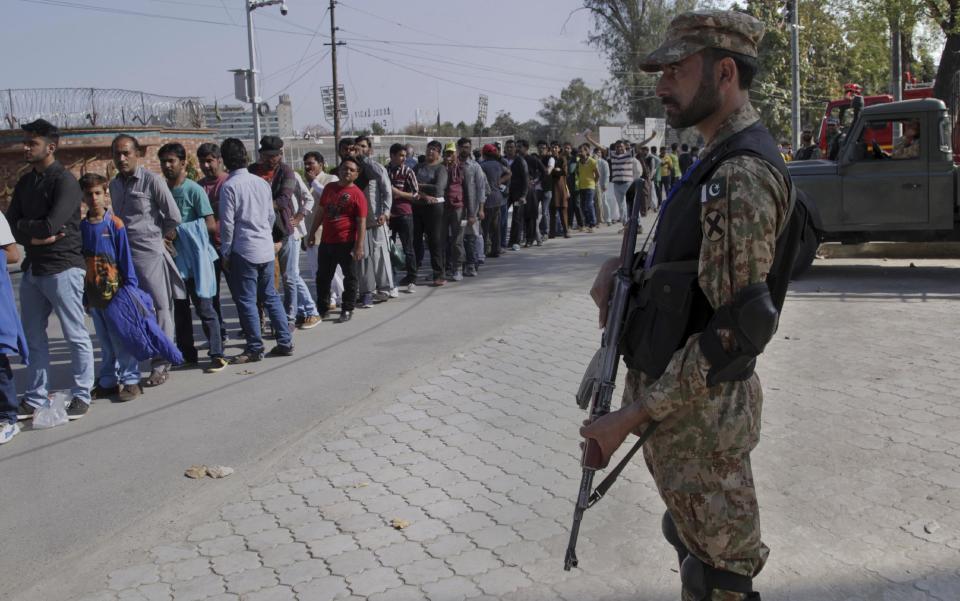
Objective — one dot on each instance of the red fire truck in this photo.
(842, 111)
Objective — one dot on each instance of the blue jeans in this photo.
(296, 296)
(250, 282)
(620, 195)
(117, 366)
(8, 393)
(504, 225)
(61, 293)
(587, 196)
(546, 197)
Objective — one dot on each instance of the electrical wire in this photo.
(465, 64)
(430, 65)
(454, 82)
(295, 79)
(456, 43)
(179, 18)
(223, 3)
(309, 43)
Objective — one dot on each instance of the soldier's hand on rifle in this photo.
(602, 286)
(612, 429)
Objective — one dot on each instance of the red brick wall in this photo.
(88, 150)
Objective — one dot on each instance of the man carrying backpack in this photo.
(719, 236)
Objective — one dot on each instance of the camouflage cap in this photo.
(691, 32)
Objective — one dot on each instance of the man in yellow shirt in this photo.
(666, 170)
(588, 174)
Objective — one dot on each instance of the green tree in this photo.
(479, 129)
(826, 62)
(625, 31)
(577, 108)
(901, 15)
(946, 14)
(377, 128)
(504, 125)
(446, 129)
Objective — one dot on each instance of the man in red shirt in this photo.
(342, 210)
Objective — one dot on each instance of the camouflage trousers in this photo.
(699, 458)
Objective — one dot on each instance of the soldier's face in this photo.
(688, 91)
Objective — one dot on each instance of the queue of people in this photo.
(141, 253)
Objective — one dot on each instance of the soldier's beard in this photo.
(705, 102)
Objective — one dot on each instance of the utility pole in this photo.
(252, 85)
(896, 61)
(795, 67)
(252, 91)
(336, 88)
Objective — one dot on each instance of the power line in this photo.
(456, 43)
(122, 11)
(431, 65)
(223, 3)
(188, 3)
(282, 70)
(179, 18)
(307, 49)
(467, 64)
(491, 49)
(454, 82)
(294, 79)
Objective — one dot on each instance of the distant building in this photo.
(236, 121)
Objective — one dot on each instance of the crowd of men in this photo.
(142, 252)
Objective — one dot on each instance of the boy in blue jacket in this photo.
(109, 266)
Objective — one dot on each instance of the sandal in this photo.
(156, 378)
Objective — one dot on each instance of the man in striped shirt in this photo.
(621, 176)
(622, 171)
(406, 192)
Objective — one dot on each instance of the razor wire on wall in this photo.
(93, 107)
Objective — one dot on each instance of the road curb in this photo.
(890, 250)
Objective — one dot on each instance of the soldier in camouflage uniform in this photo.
(699, 456)
(907, 146)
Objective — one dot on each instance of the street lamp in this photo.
(254, 94)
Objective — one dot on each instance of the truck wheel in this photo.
(806, 253)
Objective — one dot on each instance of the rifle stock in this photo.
(592, 458)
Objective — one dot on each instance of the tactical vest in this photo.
(667, 304)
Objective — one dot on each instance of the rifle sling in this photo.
(604, 486)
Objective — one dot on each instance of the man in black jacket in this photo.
(531, 211)
(519, 188)
(44, 217)
(685, 159)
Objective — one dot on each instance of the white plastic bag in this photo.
(53, 414)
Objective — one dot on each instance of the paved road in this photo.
(476, 449)
(80, 485)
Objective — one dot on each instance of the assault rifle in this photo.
(598, 384)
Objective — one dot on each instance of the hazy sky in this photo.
(399, 55)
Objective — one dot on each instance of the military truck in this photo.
(870, 194)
